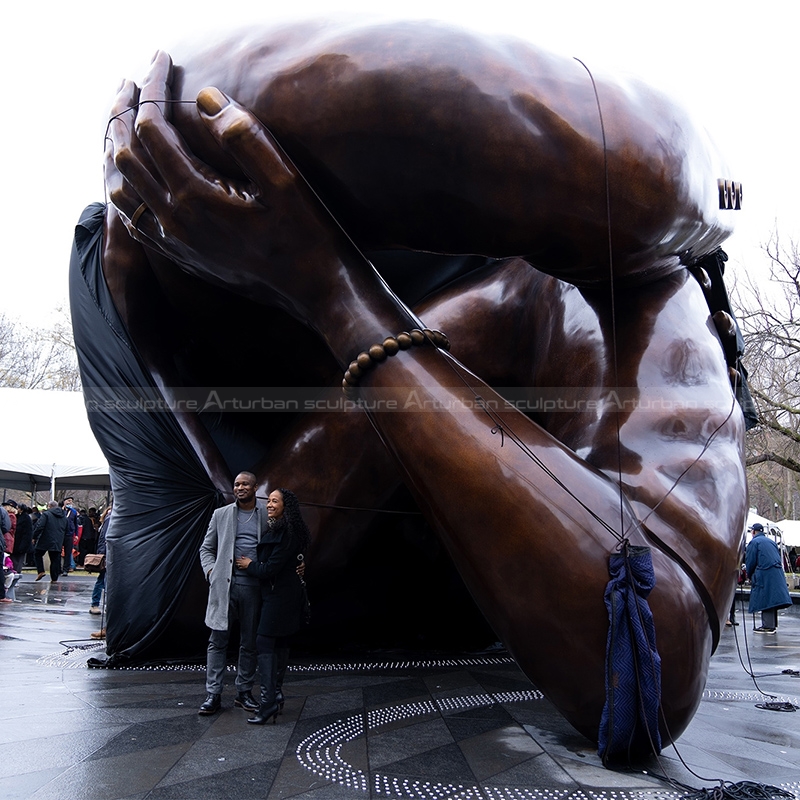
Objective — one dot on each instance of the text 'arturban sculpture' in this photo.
(234, 264)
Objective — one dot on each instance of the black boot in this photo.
(267, 669)
(282, 655)
(246, 701)
(212, 704)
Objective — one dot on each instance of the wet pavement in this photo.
(468, 726)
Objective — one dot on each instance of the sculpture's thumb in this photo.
(242, 135)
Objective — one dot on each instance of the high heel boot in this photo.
(267, 708)
(282, 655)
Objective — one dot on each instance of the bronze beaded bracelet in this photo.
(390, 346)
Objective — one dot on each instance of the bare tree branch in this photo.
(786, 463)
(769, 317)
(31, 358)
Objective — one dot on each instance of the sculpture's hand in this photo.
(267, 237)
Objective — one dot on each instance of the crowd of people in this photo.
(62, 531)
(794, 560)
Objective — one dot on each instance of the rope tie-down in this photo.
(633, 666)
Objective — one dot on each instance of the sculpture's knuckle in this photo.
(124, 158)
(115, 193)
(179, 218)
(241, 129)
(180, 201)
(145, 125)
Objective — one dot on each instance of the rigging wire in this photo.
(505, 428)
(501, 427)
(612, 295)
(724, 789)
(412, 318)
(361, 508)
(135, 106)
(739, 791)
(774, 704)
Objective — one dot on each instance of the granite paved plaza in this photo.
(423, 726)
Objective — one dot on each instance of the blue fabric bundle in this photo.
(629, 723)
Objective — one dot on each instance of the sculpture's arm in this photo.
(501, 515)
(520, 329)
(487, 316)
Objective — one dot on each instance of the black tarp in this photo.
(162, 495)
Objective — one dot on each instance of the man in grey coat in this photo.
(234, 531)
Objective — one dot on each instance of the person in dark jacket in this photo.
(768, 590)
(87, 542)
(100, 583)
(36, 515)
(49, 538)
(71, 518)
(281, 546)
(23, 539)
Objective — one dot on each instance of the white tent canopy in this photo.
(791, 531)
(47, 442)
(789, 528)
(752, 518)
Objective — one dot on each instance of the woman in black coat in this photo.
(88, 540)
(281, 547)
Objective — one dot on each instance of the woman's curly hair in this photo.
(291, 510)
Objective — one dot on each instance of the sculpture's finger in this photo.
(118, 136)
(171, 157)
(118, 191)
(242, 135)
(116, 186)
(155, 92)
(127, 172)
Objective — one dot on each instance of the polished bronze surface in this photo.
(418, 137)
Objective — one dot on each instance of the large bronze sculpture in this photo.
(236, 259)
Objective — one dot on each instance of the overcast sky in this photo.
(732, 64)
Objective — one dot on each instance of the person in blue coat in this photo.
(768, 590)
